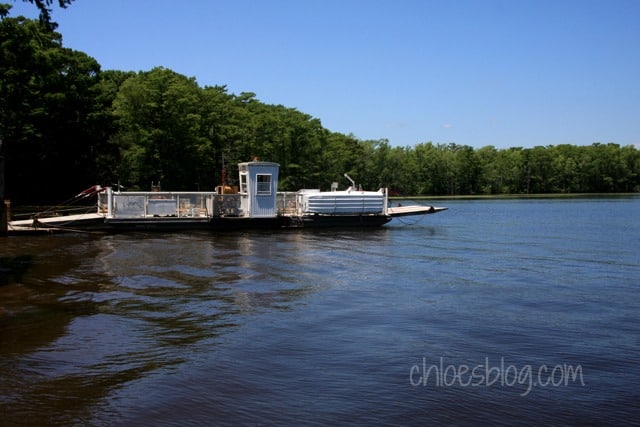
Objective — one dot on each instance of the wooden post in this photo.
(3, 219)
(3, 211)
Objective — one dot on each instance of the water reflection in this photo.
(33, 317)
(81, 317)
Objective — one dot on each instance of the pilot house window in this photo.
(243, 182)
(264, 184)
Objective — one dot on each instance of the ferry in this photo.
(254, 203)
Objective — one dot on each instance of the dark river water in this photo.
(497, 312)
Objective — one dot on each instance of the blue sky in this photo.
(475, 72)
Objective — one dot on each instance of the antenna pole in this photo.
(353, 183)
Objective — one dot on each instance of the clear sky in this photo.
(475, 72)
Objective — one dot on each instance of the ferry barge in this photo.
(255, 203)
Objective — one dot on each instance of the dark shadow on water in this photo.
(39, 285)
(12, 268)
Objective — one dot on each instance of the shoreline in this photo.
(520, 196)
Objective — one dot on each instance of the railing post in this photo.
(109, 202)
(385, 201)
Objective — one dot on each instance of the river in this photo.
(520, 311)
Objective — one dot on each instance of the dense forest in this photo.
(65, 124)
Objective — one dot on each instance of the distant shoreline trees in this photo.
(66, 124)
(461, 170)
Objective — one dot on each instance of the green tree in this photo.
(103, 124)
(161, 135)
(45, 11)
(47, 94)
(343, 154)
(428, 169)
(466, 169)
(490, 180)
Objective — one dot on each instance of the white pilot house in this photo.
(258, 189)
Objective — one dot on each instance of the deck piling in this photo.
(4, 219)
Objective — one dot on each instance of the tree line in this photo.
(65, 124)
